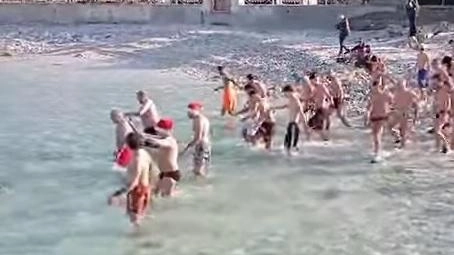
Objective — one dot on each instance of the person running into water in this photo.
(377, 114)
(251, 120)
(230, 97)
(322, 99)
(296, 115)
(337, 92)
(166, 156)
(200, 139)
(268, 120)
(442, 106)
(147, 112)
(404, 101)
(138, 189)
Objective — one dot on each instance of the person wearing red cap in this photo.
(147, 112)
(138, 187)
(200, 140)
(166, 156)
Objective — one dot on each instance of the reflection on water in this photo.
(56, 175)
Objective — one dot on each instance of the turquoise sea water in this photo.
(55, 150)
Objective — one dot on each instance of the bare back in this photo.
(167, 156)
(202, 125)
(141, 162)
(294, 108)
(423, 61)
(380, 103)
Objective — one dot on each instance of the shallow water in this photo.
(56, 175)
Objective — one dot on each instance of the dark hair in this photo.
(447, 60)
(220, 68)
(375, 83)
(287, 88)
(451, 41)
(134, 141)
(374, 59)
(250, 76)
(312, 75)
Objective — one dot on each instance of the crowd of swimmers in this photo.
(150, 153)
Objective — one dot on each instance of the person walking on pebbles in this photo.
(344, 31)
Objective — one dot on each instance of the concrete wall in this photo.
(266, 17)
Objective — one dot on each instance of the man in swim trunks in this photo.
(251, 120)
(122, 129)
(296, 115)
(378, 108)
(442, 106)
(147, 112)
(422, 67)
(337, 92)
(322, 98)
(404, 101)
(266, 130)
(166, 156)
(138, 189)
(200, 139)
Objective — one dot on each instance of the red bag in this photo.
(124, 156)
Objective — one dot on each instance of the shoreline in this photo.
(196, 51)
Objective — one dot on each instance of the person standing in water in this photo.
(138, 189)
(377, 114)
(166, 156)
(147, 112)
(344, 31)
(200, 139)
(230, 97)
(122, 129)
(296, 115)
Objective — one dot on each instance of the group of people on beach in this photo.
(150, 154)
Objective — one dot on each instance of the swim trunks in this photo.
(316, 122)
(202, 154)
(138, 200)
(250, 128)
(267, 130)
(176, 175)
(150, 131)
(422, 78)
(292, 135)
(376, 119)
(229, 101)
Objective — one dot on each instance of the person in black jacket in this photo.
(412, 8)
(344, 31)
